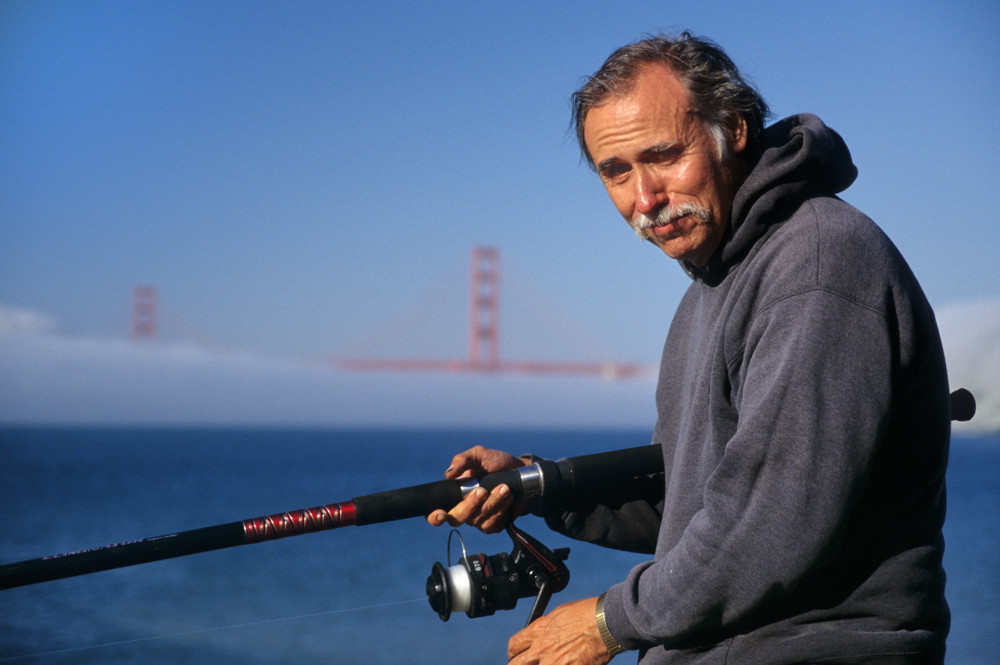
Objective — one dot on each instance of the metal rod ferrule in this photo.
(532, 481)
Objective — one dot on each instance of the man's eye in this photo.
(665, 156)
(615, 171)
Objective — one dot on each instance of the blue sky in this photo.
(307, 179)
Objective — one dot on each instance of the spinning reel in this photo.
(479, 585)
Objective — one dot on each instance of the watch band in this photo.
(610, 643)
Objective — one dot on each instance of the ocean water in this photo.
(351, 595)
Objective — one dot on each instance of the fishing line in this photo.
(10, 659)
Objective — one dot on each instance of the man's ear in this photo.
(739, 135)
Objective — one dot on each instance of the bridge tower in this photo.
(484, 309)
(144, 313)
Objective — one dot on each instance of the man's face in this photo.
(657, 159)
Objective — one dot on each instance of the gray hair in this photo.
(720, 94)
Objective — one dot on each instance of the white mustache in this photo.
(667, 214)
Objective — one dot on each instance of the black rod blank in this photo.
(585, 472)
(386, 506)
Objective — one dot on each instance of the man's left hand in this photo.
(567, 635)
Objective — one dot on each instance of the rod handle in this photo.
(412, 501)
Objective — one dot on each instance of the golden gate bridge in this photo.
(483, 354)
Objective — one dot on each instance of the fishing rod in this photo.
(470, 585)
(544, 478)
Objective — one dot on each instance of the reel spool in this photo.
(479, 585)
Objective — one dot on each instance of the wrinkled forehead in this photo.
(653, 90)
(657, 99)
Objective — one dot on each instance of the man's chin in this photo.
(673, 246)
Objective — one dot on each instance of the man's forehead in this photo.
(653, 82)
(657, 99)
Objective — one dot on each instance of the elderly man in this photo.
(802, 400)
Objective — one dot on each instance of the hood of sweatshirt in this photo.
(801, 158)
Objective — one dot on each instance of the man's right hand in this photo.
(489, 512)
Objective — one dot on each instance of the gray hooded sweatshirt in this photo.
(803, 414)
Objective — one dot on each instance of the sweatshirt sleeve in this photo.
(813, 395)
(621, 517)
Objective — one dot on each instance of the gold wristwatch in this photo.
(610, 643)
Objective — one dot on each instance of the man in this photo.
(802, 400)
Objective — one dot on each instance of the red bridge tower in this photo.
(143, 313)
(484, 338)
(484, 309)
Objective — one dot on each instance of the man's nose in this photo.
(650, 194)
